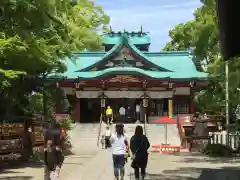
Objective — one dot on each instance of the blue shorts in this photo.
(118, 160)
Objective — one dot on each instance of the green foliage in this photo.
(66, 123)
(35, 103)
(36, 37)
(201, 37)
(218, 150)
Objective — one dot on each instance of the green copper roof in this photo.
(134, 38)
(124, 42)
(135, 71)
(167, 65)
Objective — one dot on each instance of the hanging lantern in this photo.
(145, 98)
(144, 84)
(103, 98)
(145, 102)
(77, 85)
(192, 84)
(170, 85)
(103, 102)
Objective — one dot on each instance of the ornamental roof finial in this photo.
(141, 29)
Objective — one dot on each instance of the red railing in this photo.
(180, 121)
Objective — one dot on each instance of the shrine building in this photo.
(126, 74)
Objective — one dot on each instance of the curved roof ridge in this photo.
(134, 70)
(169, 53)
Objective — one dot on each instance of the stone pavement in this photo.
(97, 165)
(161, 167)
(92, 163)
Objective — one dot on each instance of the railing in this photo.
(221, 138)
(100, 129)
(180, 132)
(180, 119)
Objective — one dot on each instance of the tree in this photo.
(35, 38)
(201, 37)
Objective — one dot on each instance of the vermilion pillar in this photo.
(191, 104)
(58, 111)
(77, 110)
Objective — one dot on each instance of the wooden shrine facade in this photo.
(177, 94)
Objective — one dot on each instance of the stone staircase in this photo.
(85, 136)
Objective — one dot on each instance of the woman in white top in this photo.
(119, 145)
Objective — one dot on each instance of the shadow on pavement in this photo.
(9, 166)
(225, 173)
(205, 159)
(16, 178)
(197, 157)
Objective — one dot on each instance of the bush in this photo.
(66, 124)
(218, 150)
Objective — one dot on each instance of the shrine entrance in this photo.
(91, 107)
(128, 104)
(90, 110)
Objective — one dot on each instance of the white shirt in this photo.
(118, 144)
(122, 111)
(137, 108)
(108, 133)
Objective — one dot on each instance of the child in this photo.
(102, 141)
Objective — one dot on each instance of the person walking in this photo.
(139, 146)
(122, 114)
(109, 115)
(119, 145)
(137, 112)
(107, 137)
(53, 159)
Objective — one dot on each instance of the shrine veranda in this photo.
(126, 73)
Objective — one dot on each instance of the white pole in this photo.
(227, 102)
(166, 134)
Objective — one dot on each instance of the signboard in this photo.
(170, 108)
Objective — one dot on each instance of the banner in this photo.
(170, 108)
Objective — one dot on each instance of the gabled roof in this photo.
(177, 65)
(124, 42)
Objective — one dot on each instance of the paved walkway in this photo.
(161, 167)
(91, 163)
(96, 165)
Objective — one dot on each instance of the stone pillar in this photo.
(170, 107)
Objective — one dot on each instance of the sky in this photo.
(156, 16)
